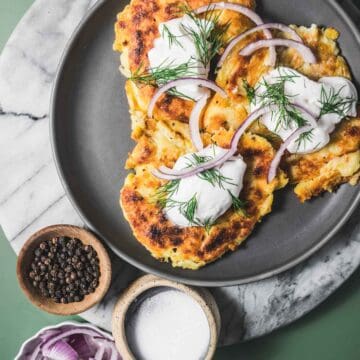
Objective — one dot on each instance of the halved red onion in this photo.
(276, 161)
(184, 81)
(237, 39)
(305, 51)
(194, 122)
(252, 15)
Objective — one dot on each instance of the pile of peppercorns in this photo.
(65, 270)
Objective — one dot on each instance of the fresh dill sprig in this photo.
(173, 39)
(208, 224)
(304, 137)
(250, 91)
(166, 191)
(188, 209)
(177, 93)
(163, 73)
(237, 204)
(213, 176)
(333, 103)
(208, 36)
(274, 94)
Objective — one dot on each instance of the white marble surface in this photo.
(31, 195)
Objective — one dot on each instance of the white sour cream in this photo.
(212, 200)
(168, 52)
(308, 94)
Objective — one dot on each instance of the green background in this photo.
(329, 332)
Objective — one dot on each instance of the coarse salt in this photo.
(168, 325)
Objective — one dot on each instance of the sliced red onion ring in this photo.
(253, 16)
(100, 352)
(276, 161)
(61, 350)
(166, 173)
(36, 352)
(183, 81)
(65, 334)
(237, 39)
(194, 122)
(305, 51)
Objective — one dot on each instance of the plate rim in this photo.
(129, 259)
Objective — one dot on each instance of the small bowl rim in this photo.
(201, 295)
(64, 323)
(66, 309)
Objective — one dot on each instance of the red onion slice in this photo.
(61, 350)
(252, 15)
(305, 51)
(100, 352)
(237, 39)
(35, 352)
(81, 330)
(183, 81)
(166, 173)
(276, 161)
(194, 122)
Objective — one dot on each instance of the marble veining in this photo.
(31, 195)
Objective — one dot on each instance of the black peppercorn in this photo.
(64, 269)
(69, 268)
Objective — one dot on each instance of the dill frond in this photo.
(237, 204)
(304, 137)
(166, 191)
(250, 92)
(274, 94)
(334, 103)
(213, 176)
(209, 34)
(163, 73)
(173, 39)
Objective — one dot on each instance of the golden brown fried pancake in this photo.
(160, 141)
(313, 173)
(193, 247)
(135, 31)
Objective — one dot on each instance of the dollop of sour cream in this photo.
(311, 95)
(175, 46)
(212, 200)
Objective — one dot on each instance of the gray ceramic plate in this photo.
(90, 130)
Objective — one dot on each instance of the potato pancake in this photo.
(193, 247)
(324, 170)
(161, 140)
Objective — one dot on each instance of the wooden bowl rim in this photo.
(202, 296)
(75, 307)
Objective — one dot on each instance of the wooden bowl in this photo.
(200, 295)
(27, 254)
